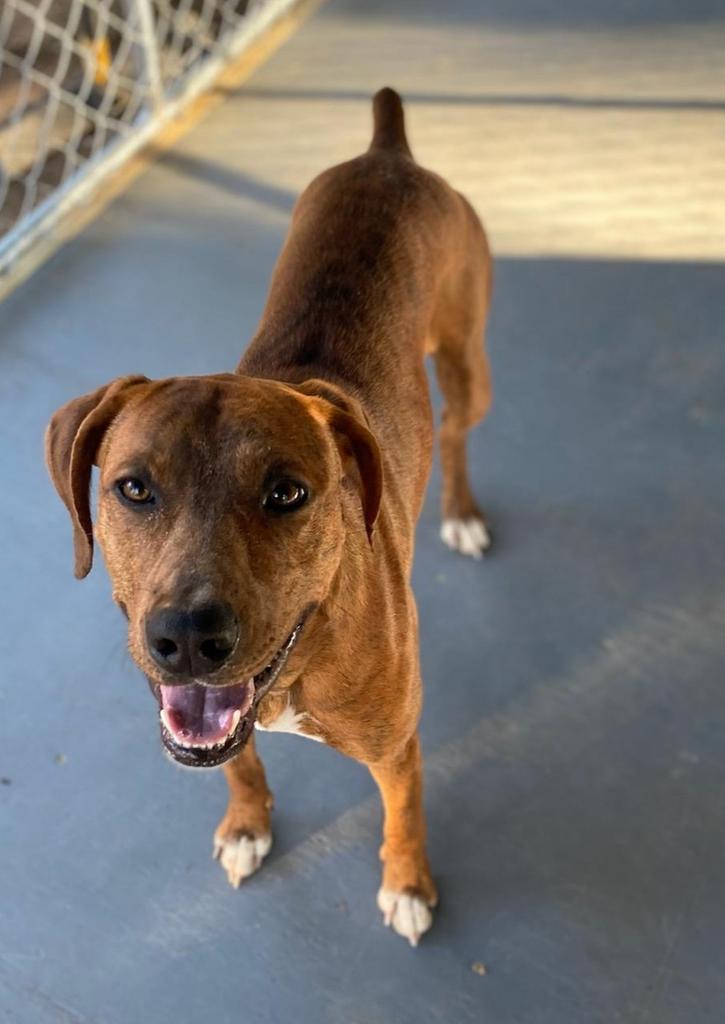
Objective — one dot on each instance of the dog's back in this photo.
(346, 266)
(384, 262)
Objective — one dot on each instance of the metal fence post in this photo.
(148, 65)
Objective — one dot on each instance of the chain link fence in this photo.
(85, 83)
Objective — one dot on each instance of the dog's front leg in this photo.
(407, 893)
(244, 835)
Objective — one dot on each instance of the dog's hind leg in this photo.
(464, 377)
(244, 835)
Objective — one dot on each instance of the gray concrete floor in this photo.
(574, 726)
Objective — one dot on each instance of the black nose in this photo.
(192, 641)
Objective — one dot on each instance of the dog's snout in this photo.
(192, 641)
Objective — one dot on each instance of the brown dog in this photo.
(258, 526)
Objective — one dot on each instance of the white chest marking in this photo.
(289, 720)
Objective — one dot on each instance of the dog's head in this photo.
(224, 506)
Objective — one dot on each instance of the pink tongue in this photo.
(203, 714)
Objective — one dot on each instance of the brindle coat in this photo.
(384, 262)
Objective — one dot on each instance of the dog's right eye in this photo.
(134, 491)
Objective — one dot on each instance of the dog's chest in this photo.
(280, 715)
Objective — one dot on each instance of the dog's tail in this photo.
(389, 122)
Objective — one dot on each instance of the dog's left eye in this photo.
(134, 491)
(285, 496)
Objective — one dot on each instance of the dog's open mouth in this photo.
(203, 726)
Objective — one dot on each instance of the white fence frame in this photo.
(39, 223)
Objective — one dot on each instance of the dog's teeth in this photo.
(213, 745)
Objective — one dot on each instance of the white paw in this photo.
(469, 536)
(241, 857)
(409, 914)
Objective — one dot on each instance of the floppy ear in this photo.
(72, 440)
(359, 451)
